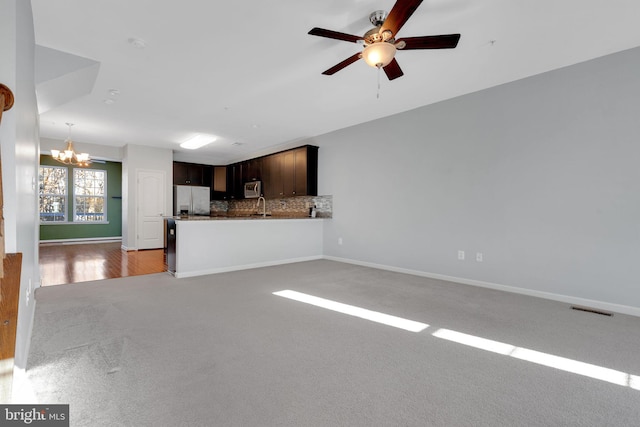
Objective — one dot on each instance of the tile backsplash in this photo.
(296, 206)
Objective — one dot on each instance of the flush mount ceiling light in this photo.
(68, 156)
(197, 141)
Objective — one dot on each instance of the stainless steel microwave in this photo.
(252, 190)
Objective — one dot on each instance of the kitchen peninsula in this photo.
(208, 245)
(233, 236)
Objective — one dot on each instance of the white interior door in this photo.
(150, 209)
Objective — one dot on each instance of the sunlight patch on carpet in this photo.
(363, 313)
(562, 363)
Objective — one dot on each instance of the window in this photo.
(53, 194)
(89, 195)
(89, 191)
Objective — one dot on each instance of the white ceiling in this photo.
(249, 73)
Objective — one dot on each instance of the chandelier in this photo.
(68, 156)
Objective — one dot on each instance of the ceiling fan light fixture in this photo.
(380, 41)
(379, 55)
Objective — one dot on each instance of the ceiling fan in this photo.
(380, 42)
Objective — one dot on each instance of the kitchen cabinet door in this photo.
(307, 171)
(301, 172)
(235, 189)
(188, 174)
(272, 176)
(207, 176)
(180, 174)
(219, 187)
(252, 170)
(288, 173)
(267, 182)
(238, 187)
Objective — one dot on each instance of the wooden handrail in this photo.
(9, 286)
(2, 254)
(9, 298)
(6, 102)
(6, 99)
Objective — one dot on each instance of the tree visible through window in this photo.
(89, 191)
(53, 194)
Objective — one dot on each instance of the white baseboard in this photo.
(82, 241)
(245, 266)
(601, 305)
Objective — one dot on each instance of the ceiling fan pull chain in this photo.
(378, 94)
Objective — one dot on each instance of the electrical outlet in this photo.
(479, 256)
(461, 255)
(340, 240)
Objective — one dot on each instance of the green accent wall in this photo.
(114, 207)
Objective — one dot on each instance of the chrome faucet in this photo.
(264, 206)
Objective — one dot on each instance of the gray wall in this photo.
(19, 152)
(540, 175)
(96, 151)
(135, 159)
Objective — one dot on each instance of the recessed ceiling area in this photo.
(250, 75)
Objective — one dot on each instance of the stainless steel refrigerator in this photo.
(191, 200)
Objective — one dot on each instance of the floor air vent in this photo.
(591, 310)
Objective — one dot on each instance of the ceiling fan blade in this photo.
(334, 35)
(393, 70)
(400, 13)
(350, 60)
(444, 41)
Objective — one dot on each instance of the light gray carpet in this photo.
(221, 350)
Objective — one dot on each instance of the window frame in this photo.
(65, 195)
(104, 197)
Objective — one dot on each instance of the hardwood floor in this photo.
(62, 264)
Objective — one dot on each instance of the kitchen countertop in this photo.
(240, 217)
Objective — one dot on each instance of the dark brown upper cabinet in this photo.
(234, 181)
(291, 173)
(252, 170)
(285, 174)
(272, 186)
(207, 176)
(219, 186)
(189, 174)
